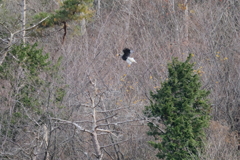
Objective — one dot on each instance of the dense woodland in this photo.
(66, 95)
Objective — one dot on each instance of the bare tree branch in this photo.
(112, 110)
(104, 130)
(75, 124)
(114, 144)
(106, 117)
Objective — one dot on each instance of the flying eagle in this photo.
(126, 55)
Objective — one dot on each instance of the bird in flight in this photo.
(126, 56)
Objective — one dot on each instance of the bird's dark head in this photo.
(127, 50)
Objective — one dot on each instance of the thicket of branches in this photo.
(87, 103)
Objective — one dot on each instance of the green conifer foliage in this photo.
(69, 10)
(182, 107)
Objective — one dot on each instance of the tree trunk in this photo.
(97, 4)
(96, 144)
(24, 21)
(83, 26)
(45, 138)
(186, 19)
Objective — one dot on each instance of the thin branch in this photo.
(4, 40)
(75, 124)
(162, 130)
(114, 143)
(6, 28)
(29, 116)
(108, 154)
(117, 123)
(29, 28)
(85, 105)
(108, 131)
(107, 117)
(112, 110)
(17, 150)
(83, 122)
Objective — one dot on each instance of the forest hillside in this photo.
(66, 95)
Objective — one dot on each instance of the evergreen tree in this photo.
(69, 10)
(182, 107)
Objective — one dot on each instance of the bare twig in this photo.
(73, 123)
(32, 27)
(114, 143)
(103, 119)
(112, 110)
(104, 130)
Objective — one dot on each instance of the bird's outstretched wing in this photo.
(126, 54)
(130, 60)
